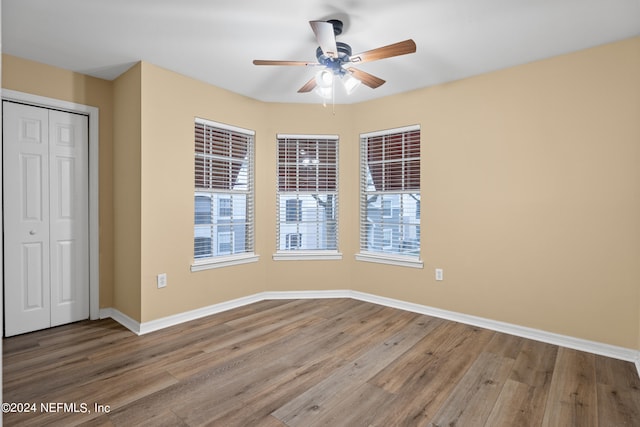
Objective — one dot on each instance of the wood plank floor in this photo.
(333, 362)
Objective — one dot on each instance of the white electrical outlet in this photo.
(439, 274)
(162, 280)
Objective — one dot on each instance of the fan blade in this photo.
(366, 78)
(325, 37)
(308, 86)
(268, 62)
(396, 49)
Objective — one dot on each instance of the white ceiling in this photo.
(216, 40)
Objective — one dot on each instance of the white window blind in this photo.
(307, 196)
(390, 193)
(223, 190)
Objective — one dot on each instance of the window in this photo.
(294, 241)
(387, 238)
(224, 207)
(225, 242)
(307, 196)
(202, 244)
(223, 230)
(390, 196)
(294, 210)
(386, 209)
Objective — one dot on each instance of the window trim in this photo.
(224, 126)
(379, 257)
(384, 132)
(301, 254)
(200, 264)
(402, 261)
(223, 261)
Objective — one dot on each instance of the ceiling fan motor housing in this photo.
(335, 64)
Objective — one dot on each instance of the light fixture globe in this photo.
(350, 83)
(324, 79)
(324, 92)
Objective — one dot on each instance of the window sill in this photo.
(223, 261)
(307, 255)
(390, 259)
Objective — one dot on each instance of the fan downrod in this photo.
(337, 26)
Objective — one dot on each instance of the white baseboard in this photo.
(602, 349)
(120, 317)
(594, 347)
(176, 319)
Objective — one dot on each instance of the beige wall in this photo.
(170, 104)
(530, 186)
(127, 204)
(531, 194)
(43, 80)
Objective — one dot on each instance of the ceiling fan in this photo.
(336, 59)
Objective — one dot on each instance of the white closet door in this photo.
(68, 217)
(45, 218)
(26, 218)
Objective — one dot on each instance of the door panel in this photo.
(26, 218)
(65, 187)
(65, 254)
(34, 286)
(69, 218)
(32, 191)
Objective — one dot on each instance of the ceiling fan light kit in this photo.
(324, 78)
(350, 83)
(337, 59)
(324, 84)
